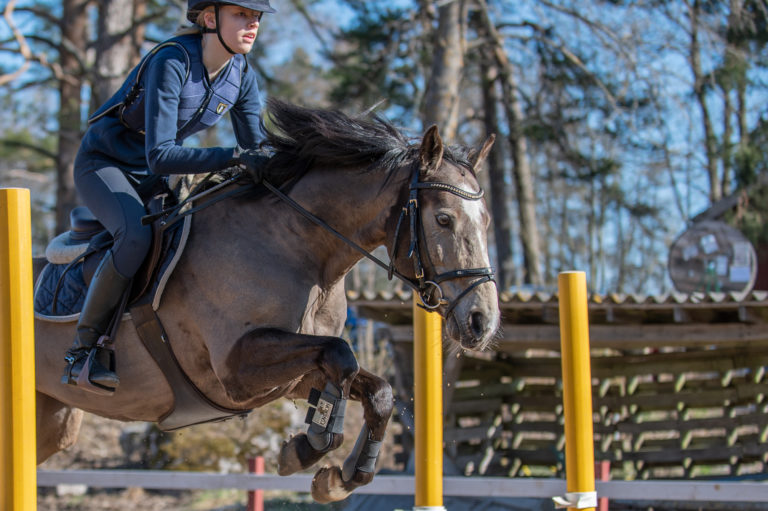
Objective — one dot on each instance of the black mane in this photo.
(302, 138)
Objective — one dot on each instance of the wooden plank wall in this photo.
(679, 386)
(659, 413)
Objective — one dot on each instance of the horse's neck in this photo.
(354, 203)
(254, 236)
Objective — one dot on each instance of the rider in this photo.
(184, 86)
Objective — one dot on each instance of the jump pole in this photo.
(17, 354)
(577, 393)
(428, 404)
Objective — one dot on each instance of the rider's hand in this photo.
(253, 162)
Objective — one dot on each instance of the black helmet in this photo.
(195, 6)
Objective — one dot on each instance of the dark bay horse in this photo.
(256, 305)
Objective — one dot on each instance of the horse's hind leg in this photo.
(57, 426)
(331, 484)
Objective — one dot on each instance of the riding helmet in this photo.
(195, 6)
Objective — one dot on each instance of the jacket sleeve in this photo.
(165, 155)
(246, 113)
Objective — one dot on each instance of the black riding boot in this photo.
(104, 296)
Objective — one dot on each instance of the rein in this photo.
(429, 290)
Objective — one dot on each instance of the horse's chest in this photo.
(325, 312)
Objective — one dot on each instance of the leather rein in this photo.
(429, 289)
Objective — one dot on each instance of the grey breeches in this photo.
(108, 193)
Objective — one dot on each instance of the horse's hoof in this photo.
(288, 461)
(328, 486)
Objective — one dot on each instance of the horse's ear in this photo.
(431, 151)
(476, 158)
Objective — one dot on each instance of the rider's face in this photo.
(239, 27)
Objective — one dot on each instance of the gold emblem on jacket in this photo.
(220, 109)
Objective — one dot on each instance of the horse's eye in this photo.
(443, 219)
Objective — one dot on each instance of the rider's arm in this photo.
(165, 79)
(246, 113)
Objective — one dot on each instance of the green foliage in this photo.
(300, 80)
(750, 159)
(225, 445)
(752, 27)
(377, 58)
(752, 221)
(33, 153)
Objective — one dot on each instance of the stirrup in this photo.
(83, 379)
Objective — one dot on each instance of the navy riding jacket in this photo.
(177, 102)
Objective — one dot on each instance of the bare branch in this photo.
(17, 144)
(575, 60)
(301, 8)
(26, 51)
(23, 47)
(595, 25)
(41, 13)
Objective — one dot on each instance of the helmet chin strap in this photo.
(216, 31)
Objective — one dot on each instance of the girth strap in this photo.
(190, 406)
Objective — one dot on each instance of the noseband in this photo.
(429, 290)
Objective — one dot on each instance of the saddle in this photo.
(72, 260)
(73, 257)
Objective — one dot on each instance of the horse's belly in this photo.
(143, 393)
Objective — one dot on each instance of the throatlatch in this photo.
(325, 416)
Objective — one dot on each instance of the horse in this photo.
(256, 306)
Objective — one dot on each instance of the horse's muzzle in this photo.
(473, 330)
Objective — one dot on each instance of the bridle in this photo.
(429, 289)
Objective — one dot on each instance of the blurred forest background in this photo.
(616, 121)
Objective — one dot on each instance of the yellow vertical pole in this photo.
(577, 391)
(428, 404)
(17, 354)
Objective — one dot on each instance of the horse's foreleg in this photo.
(333, 483)
(267, 358)
(57, 426)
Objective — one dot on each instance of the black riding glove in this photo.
(253, 162)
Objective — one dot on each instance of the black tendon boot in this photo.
(104, 296)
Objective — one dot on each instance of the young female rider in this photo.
(185, 85)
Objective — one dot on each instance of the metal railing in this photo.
(691, 491)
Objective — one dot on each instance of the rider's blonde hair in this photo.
(197, 28)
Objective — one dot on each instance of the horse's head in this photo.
(440, 242)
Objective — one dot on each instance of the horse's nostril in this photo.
(477, 324)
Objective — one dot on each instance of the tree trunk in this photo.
(737, 50)
(441, 101)
(699, 88)
(500, 190)
(727, 150)
(523, 177)
(74, 36)
(117, 47)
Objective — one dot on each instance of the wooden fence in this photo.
(658, 414)
(679, 387)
